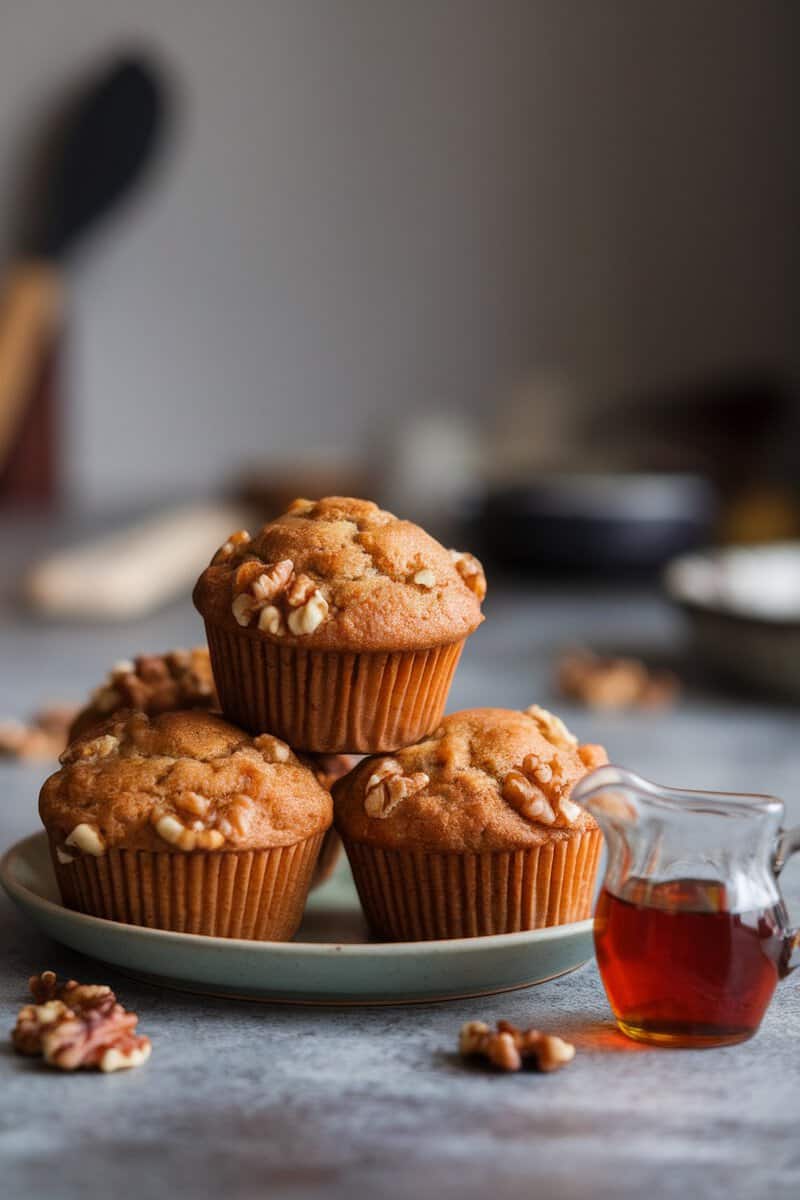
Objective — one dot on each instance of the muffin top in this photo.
(153, 683)
(180, 781)
(487, 779)
(342, 574)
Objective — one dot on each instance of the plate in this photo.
(743, 610)
(330, 962)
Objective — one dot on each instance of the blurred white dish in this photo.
(743, 607)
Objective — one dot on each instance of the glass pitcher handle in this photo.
(788, 844)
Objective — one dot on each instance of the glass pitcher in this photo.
(691, 931)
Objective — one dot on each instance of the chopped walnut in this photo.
(186, 837)
(258, 588)
(310, 615)
(243, 607)
(90, 750)
(592, 756)
(270, 620)
(300, 591)
(471, 571)
(272, 749)
(552, 727)
(87, 840)
(204, 824)
(508, 1047)
(610, 683)
(273, 581)
(76, 1025)
(425, 578)
(538, 790)
(388, 786)
(236, 545)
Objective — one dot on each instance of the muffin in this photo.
(328, 768)
(471, 831)
(338, 627)
(183, 822)
(153, 683)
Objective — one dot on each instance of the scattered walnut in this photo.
(43, 737)
(609, 683)
(507, 1047)
(471, 571)
(76, 1025)
(388, 786)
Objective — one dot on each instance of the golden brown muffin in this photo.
(182, 821)
(328, 768)
(152, 683)
(471, 831)
(338, 626)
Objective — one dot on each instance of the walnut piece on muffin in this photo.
(152, 683)
(342, 574)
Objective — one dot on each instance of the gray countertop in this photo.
(243, 1100)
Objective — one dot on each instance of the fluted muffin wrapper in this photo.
(328, 858)
(419, 895)
(254, 894)
(327, 701)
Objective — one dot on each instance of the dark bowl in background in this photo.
(600, 523)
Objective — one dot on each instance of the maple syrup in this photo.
(680, 969)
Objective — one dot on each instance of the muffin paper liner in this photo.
(256, 894)
(331, 702)
(328, 858)
(416, 895)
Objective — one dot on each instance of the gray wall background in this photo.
(376, 205)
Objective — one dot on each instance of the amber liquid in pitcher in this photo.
(681, 969)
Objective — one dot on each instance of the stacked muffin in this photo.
(335, 631)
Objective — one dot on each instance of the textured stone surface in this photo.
(246, 1100)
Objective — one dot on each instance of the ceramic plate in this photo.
(330, 962)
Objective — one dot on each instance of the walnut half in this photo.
(508, 1047)
(387, 786)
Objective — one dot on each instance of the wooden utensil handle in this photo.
(30, 310)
